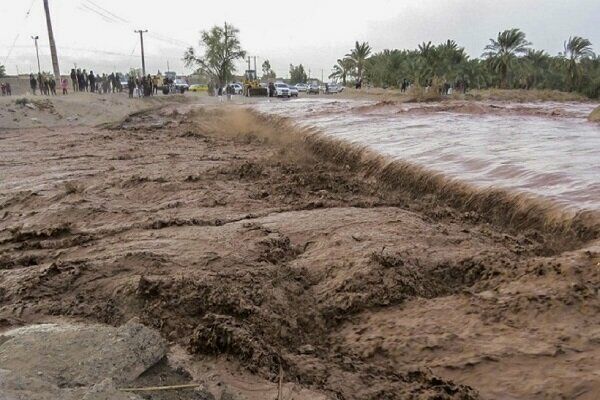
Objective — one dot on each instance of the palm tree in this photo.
(536, 64)
(342, 69)
(576, 48)
(503, 51)
(359, 55)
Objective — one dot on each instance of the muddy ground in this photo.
(242, 245)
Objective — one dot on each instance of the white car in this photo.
(239, 89)
(282, 90)
(332, 88)
(302, 87)
(293, 91)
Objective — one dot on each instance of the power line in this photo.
(103, 16)
(112, 17)
(107, 11)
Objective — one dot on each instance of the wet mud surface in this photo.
(235, 241)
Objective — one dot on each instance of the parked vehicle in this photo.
(302, 87)
(282, 90)
(293, 91)
(252, 86)
(238, 88)
(332, 88)
(313, 88)
(181, 86)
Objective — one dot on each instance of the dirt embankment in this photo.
(595, 115)
(239, 237)
(468, 107)
(80, 109)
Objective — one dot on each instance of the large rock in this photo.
(68, 358)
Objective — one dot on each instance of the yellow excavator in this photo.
(252, 85)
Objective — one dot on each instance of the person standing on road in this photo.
(74, 80)
(130, 86)
(80, 81)
(32, 83)
(271, 89)
(92, 80)
(64, 84)
(230, 91)
(85, 81)
(52, 86)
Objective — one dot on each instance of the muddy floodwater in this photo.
(547, 149)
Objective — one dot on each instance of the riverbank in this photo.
(505, 95)
(245, 241)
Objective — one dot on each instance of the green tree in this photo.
(359, 55)
(2, 71)
(342, 69)
(502, 52)
(576, 49)
(298, 74)
(268, 72)
(535, 66)
(221, 49)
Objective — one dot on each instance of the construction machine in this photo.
(252, 85)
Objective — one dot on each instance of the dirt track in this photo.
(234, 240)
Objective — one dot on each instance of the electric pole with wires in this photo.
(52, 43)
(37, 52)
(141, 32)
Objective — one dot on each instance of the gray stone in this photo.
(81, 355)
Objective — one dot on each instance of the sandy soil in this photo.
(245, 245)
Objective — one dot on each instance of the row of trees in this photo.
(2, 71)
(508, 61)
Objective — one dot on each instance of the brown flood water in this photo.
(546, 149)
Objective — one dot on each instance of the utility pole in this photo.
(37, 52)
(52, 43)
(141, 32)
(321, 75)
(255, 66)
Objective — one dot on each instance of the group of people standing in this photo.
(46, 84)
(94, 83)
(6, 89)
(144, 86)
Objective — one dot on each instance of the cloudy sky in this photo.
(98, 34)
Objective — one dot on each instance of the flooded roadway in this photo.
(546, 149)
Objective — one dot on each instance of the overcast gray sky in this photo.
(312, 32)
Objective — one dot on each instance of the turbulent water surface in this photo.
(546, 149)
